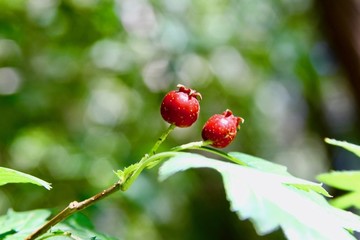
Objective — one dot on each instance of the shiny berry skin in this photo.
(181, 107)
(221, 129)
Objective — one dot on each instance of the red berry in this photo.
(221, 129)
(181, 107)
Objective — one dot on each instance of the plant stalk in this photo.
(72, 208)
(123, 185)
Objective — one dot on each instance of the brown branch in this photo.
(72, 208)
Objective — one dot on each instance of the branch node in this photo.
(74, 205)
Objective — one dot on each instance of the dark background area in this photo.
(81, 84)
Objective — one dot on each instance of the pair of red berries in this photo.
(181, 107)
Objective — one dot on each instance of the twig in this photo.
(122, 184)
(72, 208)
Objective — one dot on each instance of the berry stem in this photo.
(203, 146)
(161, 139)
(222, 154)
(191, 145)
(146, 162)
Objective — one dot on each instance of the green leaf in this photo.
(265, 197)
(269, 167)
(346, 201)
(18, 225)
(310, 187)
(345, 180)
(260, 164)
(348, 146)
(77, 226)
(8, 175)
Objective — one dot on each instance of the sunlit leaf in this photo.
(347, 200)
(345, 180)
(8, 175)
(270, 167)
(260, 164)
(269, 202)
(348, 146)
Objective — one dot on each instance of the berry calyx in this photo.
(221, 129)
(181, 107)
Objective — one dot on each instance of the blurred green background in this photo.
(81, 82)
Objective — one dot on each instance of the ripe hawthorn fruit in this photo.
(221, 129)
(181, 107)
